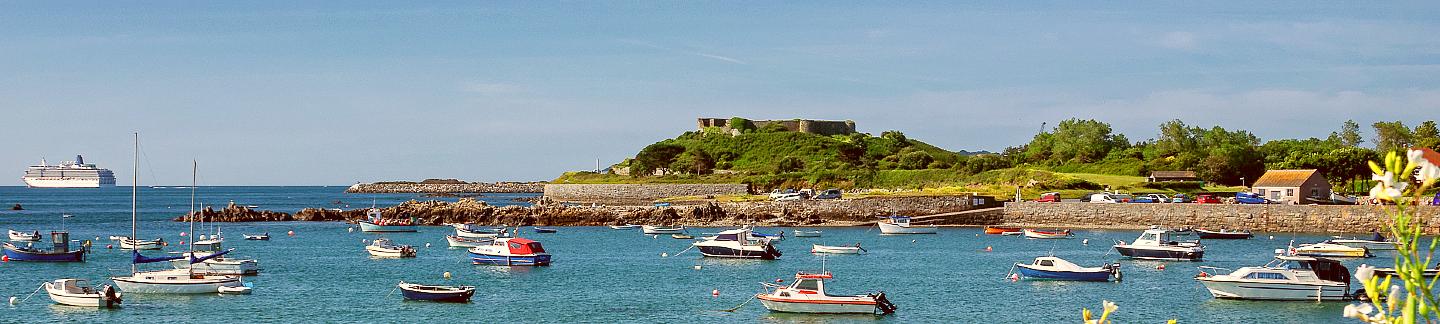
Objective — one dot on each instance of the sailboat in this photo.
(174, 281)
(210, 249)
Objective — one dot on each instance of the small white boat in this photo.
(257, 237)
(902, 225)
(383, 247)
(235, 290)
(76, 292)
(24, 237)
(480, 233)
(1285, 278)
(1376, 242)
(458, 241)
(804, 233)
(155, 244)
(658, 230)
(1039, 234)
(817, 248)
(624, 227)
(807, 295)
(1332, 250)
(1158, 244)
(738, 243)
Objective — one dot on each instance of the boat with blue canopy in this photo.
(174, 281)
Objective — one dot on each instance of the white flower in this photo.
(1387, 188)
(1109, 306)
(1364, 272)
(1350, 311)
(1394, 296)
(1358, 311)
(1428, 170)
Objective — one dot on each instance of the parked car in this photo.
(1250, 198)
(1159, 197)
(1143, 200)
(790, 197)
(1180, 198)
(1207, 199)
(781, 193)
(1049, 197)
(1435, 201)
(1109, 198)
(829, 194)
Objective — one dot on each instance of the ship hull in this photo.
(68, 183)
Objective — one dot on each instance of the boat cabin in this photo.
(1156, 237)
(1302, 267)
(807, 284)
(523, 246)
(743, 235)
(900, 220)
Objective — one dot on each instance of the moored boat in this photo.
(385, 248)
(624, 227)
(807, 294)
(1376, 242)
(1285, 278)
(510, 251)
(902, 225)
(831, 249)
(1001, 230)
(682, 236)
(1223, 234)
(545, 230)
(134, 244)
(458, 241)
(479, 232)
(1054, 268)
(24, 236)
(178, 281)
(60, 252)
(257, 237)
(376, 223)
(76, 292)
(1325, 249)
(1156, 244)
(658, 230)
(454, 294)
(738, 243)
(1055, 234)
(804, 233)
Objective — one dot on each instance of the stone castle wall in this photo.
(636, 193)
(819, 127)
(1263, 218)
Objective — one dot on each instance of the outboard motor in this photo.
(111, 297)
(1115, 271)
(883, 304)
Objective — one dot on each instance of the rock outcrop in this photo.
(236, 213)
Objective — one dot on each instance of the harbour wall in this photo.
(636, 193)
(410, 187)
(1262, 218)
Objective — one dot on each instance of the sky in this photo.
(334, 93)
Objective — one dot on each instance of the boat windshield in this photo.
(808, 284)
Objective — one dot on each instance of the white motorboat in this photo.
(24, 237)
(76, 292)
(738, 243)
(817, 248)
(383, 247)
(1326, 249)
(458, 241)
(1054, 268)
(236, 290)
(660, 230)
(1376, 243)
(624, 227)
(133, 244)
(257, 237)
(1157, 244)
(902, 225)
(1285, 278)
(807, 295)
(480, 233)
(804, 233)
(163, 281)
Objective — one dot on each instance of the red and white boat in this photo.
(807, 295)
(1039, 234)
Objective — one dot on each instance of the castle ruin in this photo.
(818, 127)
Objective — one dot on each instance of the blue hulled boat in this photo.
(1053, 268)
(60, 253)
(454, 294)
(510, 252)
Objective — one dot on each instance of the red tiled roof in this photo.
(1284, 178)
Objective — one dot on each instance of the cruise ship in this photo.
(70, 174)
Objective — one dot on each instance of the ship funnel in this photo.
(79, 159)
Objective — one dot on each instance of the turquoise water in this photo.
(322, 273)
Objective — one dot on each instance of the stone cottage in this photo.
(1292, 186)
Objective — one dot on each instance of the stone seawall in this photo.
(498, 187)
(1263, 218)
(636, 193)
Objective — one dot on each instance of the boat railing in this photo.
(1216, 268)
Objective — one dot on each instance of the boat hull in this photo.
(1210, 235)
(887, 228)
(376, 228)
(992, 230)
(456, 241)
(97, 300)
(1370, 245)
(1160, 253)
(659, 231)
(388, 253)
(807, 233)
(18, 255)
(128, 244)
(448, 297)
(174, 283)
(58, 182)
(758, 252)
(1030, 273)
(509, 260)
(1033, 234)
(1274, 291)
(834, 249)
(775, 304)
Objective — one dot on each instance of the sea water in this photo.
(323, 274)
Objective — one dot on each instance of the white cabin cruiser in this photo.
(1157, 244)
(1285, 278)
(658, 230)
(738, 243)
(807, 295)
(902, 225)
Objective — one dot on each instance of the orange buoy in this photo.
(5, 258)
(290, 233)
(715, 293)
(1160, 267)
(988, 249)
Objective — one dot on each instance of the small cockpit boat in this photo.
(76, 292)
(817, 248)
(1156, 244)
(61, 251)
(375, 222)
(807, 295)
(658, 230)
(134, 244)
(24, 236)
(383, 247)
(1055, 234)
(738, 243)
(1001, 230)
(1223, 234)
(1285, 278)
(257, 237)
(545, 230)
(454, 294)
(682, 236)
(508, 251)
(1327, 249)
(624, 227)
(1054, 268)
(244, 289)
(804, 233)
(458, 241)
(902, 225)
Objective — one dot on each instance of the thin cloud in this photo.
(1179, 40)
(682, 51)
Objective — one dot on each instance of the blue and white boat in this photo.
(1053, 268)
(508, 251)
(377, 224)
(60, 253)
(454, 294)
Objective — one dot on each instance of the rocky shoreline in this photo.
(548, 213)
(447, 188)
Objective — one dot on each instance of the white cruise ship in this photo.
(70, 174)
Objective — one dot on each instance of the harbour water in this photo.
(322, 273)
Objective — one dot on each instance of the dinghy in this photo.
(658, 230)
(457, 241)
(999, 230)
(1223, 234)
(479, 232)
(1039, 234)
(454, 294)
(24, 237)
(133, 244)
(76, 292)
(902, 225)
(808, 295)
(545, 230)
(682, 236)
(624, 227)
(804, 233)
(236, 290)
(817, 248)
(383, 247)
(1054, 268)
(257, 237)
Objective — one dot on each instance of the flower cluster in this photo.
(1416, 302)
(1390, 186)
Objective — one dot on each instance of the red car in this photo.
(1049, 197)
(1207, 199)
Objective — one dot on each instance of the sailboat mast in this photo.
(194, 170)
(134, 214)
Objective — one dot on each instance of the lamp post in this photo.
(1242, 181)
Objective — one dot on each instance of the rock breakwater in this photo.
(451, 188)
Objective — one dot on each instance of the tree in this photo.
(741, 124)
(896, 136)
(915, 160)
(1392, 136)
(790, 164)
(1083, 141)
(1426, 135)
(653, 157)
(1350, 134)
(693, 161)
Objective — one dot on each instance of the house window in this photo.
(1289, 192)
(1314, 192)
(1275, 195)
(1260, 192)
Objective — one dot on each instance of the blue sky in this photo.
(286, 93)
